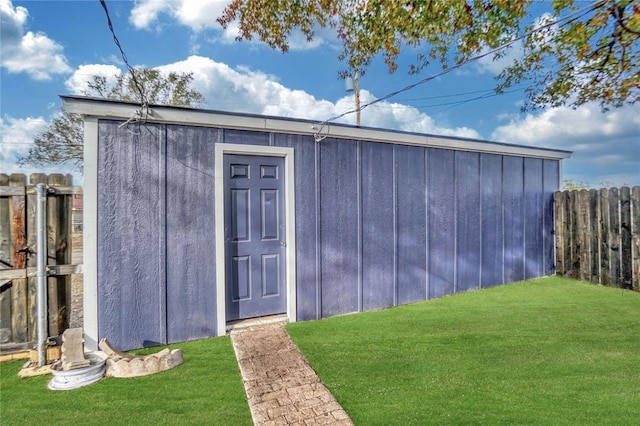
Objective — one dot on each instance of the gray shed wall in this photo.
(377, 225)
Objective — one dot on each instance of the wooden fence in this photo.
(598, 235)
(18, 262)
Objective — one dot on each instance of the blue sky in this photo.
(49, 47)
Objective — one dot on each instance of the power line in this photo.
(466, 101)
(567, 20)
(450, 95)
(486, 94)
(139, 87)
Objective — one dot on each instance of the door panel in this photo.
(270, 214)
(254, 236)
(240, 214)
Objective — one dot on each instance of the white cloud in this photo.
(606, 145)
(145, 13)
(246, 90)
(196, 14)
(390, 115)
(16, 138)
(546, 28)
(239, 89)
(77, 84)
(494, 65)
(31, 53)
(569, 128)
(201, 15)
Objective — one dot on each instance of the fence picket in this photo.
(5, 263)
(635, 237)
(19, 304)
(598, 235)
(559, 226)
(584, 251)
(614, 230)
(625, 237)
(58, 253)
(17, 232)
(594, 220)
(605, 237)
(574, 254)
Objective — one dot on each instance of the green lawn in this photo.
(205, 390)
(548, 351)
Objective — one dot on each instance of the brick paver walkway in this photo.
(281, 386)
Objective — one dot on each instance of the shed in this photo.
(195, 218)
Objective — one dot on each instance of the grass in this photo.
(548, 351)
(206, 389)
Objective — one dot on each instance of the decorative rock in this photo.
(72, 356)
(120, 364)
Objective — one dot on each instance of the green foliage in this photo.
(158, 89)
(546, 351)
(594, 57)
(205, 390)
(591, 54)
(62, 141)
(571, 185)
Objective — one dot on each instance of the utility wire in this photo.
(477, 98)
(450, 95)
(143, 100)
(486, 94)
(567, 20)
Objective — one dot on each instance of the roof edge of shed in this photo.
(112, 109)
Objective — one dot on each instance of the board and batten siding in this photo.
(377, 225)
(381, 218)
(399, 224)
(156, 241)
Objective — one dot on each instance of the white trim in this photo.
(90, 234)
(289, 205)
(560, 171)
(124, 111)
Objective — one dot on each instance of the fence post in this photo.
(41, 274)
(32, 234)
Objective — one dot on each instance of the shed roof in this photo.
(118, 110)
